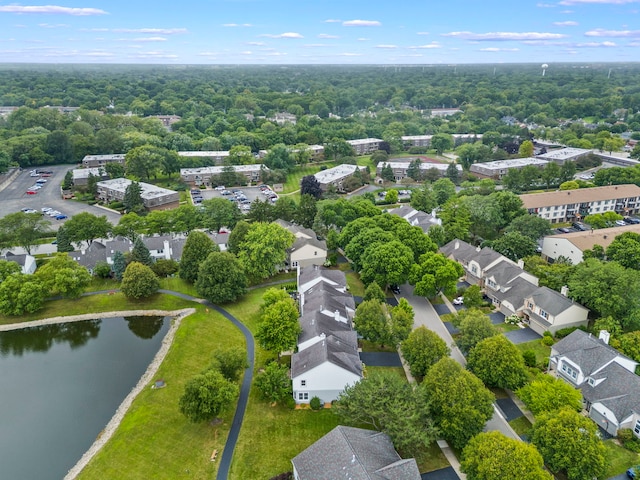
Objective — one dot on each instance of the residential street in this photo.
(426, 315)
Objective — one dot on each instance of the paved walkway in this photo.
(381, 359)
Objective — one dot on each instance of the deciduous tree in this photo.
(279, 328)
(264, 248)
(221, 278)
(220, 212)
(498, 363)
(274, 383)
(546, 394)
(386, 263)
(435, 274)
(206, 395)
(139, 281)
(423, 349)
(86, 227)
(62, 275)
(20, 293)
(21, 229)
(474, 327)
(197, 248)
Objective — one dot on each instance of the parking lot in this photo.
(242, 196)
(14, 197)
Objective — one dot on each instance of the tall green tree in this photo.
(474, 327)
(435, 274)
(494, 456)
(531, 226)
(370, 321)
(21, 229)
(206, 396)
(140, 253)
(386, 263)
(139, 281)
(61, 275)
(274, 383)
(625, 249)
(20, 293)
(306, 211)
(132, 200)
(220, 212)
(570, 443)
(526, 149)
(86, 227)
(546, 394)
(264, 248)
(221, 278)
(236, 237)
(388, 404)
(279, 328)
(441, 142)
(498, 363)
(423, 349)
(196, 249)
(459, 403)
(514, 245)
(119, 265)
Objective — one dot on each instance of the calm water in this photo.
(61, 384)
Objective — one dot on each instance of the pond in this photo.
(60, 385)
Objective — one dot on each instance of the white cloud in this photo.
(362, 39)
(598, 2)
(601, 32)
(283, 35)
(495, 49)
(246, 52)
(54, 9)
(423, 33)
(361, 23)
(326, 35)
(387, 47)
(315, 45)
(50, 25)
(568, 23)
(155, 54)
(256, 44)
(595, 44)
(428, 45)
(159, 31)
(348, 54)
(505, 36)
(276, 54)
(237, 25)
(567, 12)
(545, 5)
(150, 39)
(332, 20)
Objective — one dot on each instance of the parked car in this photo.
(632, 220)
(621, 223)
(580, 226)
(29, 210)
(62, 216)
(395, 289)
(458, 301)
(31, 192)
(41, 180)
(220, 187)
(564, 230)
(34, 174)
(633, 472)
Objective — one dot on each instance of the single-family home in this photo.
(606, 378)
(353, 453)
(475, 260)
(545, 309)
(27, 262)
(312, 275)
(307, 249)
(416, 218)
(328, 300)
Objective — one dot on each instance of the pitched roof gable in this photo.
(551, 301)
(619, 390)
(331, 350)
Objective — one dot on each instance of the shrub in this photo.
(547, 340)
(563, 332)
(283, 476)
(529, 358)
(547, 333)
(512, 319)
(632, 445)
(625, 435)
(316, 403)
(289, 402)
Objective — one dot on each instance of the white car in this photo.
(220, 187)
(34, 174)
(458, 301)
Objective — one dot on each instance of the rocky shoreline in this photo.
(147, 377)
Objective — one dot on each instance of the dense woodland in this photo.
(225, 106)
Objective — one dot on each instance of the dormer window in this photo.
(592, 382)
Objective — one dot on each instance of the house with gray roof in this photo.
(325, 369)
(27, 262)
(546, 309)
(306, 249)
(606, 378)
(416, 218)
(327, 359)
(356, 454)
(474, 259)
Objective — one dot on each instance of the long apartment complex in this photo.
(563, 206)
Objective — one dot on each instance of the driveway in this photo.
(381, 359)
(496, 318)
(443, 474)
(522, 335)
(509, 409)
(441, 308)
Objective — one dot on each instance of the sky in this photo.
(320, 31)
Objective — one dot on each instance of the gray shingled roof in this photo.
(327, 298)
(95, 253)
(551, 301)
(504, 272)
(332, 350)
(20, 259)
(312, 272)
(315, 323)
(486, 257)
(354, 454)
(514, 292)
(463, 253)
(585, 350)
(619, 391)
(301, 242)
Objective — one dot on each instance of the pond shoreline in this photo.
(145, 379)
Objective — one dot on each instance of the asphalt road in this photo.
(13, 197)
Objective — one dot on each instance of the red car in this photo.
(32, 192)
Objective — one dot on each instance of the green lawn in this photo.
(293, 179)
(506, 327)
(542, 351)
(399, 371)
(356, 287)
(521, 425)
(368, 346)
(619, 459)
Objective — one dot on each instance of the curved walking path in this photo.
(109, 430)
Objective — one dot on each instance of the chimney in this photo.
(336, 316)
(564, 290)
(604, 336)
(456, 245)
(521, 264)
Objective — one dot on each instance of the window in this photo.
(294, 264)
(303, 383)
(637, 427)
(592, 382)
(544, 314)
(530, 305)
(491, 283)
(303, 396)
(569, 371)
(474, 269)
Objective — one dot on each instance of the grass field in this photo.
(542, 351)
(293, 179)
(619, 459)
(521, 425)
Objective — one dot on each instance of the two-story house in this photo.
(606, 378)
(307, 249)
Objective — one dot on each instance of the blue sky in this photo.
(320, 32)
